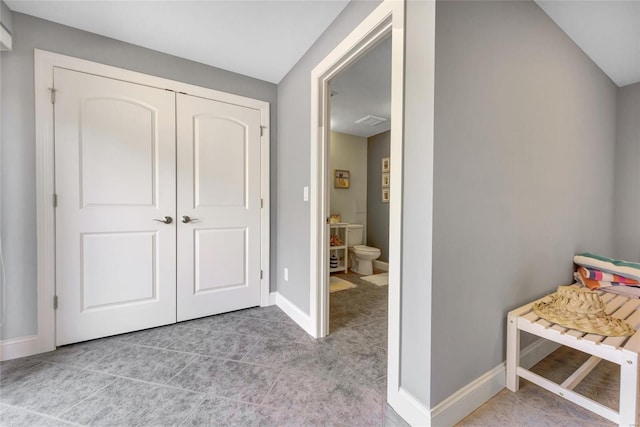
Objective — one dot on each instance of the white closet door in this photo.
(115, 174)
(219, 190)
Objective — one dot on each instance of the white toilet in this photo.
(361, 256)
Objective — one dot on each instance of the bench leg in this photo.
(513, 353)
(628, 389)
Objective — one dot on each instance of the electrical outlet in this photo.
(286, 274)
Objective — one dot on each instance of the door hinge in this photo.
(261, 203)
(55, 302)
(53, 95)
(262, 128)
(55, 200)
(261, 273)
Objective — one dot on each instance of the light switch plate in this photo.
(305, 194)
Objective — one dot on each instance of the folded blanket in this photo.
(582, 277)
(627, 291)
(630, 270)
(601, 276)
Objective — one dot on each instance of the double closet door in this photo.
(158, 206)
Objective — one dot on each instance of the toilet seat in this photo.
(365, 249)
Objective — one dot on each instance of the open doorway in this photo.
(359, 193)
(386, 20)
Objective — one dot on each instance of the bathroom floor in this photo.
(250, 367)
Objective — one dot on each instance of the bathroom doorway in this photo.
(387, 19)
(358, 176)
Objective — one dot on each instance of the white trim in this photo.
(273, 297)
(410, 409)
(387, 18)
(265, 214)
(404, 403)
(50, 59)
(19, 347)
(6, 41)
(377, 26)
(44, 63)
(470, 397)
(300, 317)
(45, 213)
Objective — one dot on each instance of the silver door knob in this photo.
(187, 219)
(166, 220)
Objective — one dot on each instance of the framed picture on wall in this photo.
(341, 179)
(386, 164)
(385, 195)
(385, 180)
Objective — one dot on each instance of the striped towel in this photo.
(601, 276)
(629, 270)
(583, 277)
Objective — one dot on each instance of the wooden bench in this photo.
(620, 350)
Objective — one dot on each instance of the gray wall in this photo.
(6, 17)
(294, 154)
(17, 139)
(377, 211)
(349, 152)
(627, 194)
(524, 148)
(415, 318)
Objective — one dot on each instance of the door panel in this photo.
(117, 269)
(220, 259)
(115, 174)
(220, 166)
(117, 144)
(219, 184)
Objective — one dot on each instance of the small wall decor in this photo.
(386, 164)
(385, 180)
(385, 195)
(341, 179)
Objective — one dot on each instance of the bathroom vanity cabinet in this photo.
(341, 251)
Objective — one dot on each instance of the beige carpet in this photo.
(337, 284)
(381, 279)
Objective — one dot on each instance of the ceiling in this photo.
(363, 89)
(266, 38)
(607, 31)
(262, 39)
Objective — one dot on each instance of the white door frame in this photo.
(45, 184)
(388, 18)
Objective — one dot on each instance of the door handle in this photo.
(166, 220)
(187, 220)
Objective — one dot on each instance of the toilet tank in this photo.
(355, 234)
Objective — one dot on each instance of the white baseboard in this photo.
(473, 395)
(380, 265)
(272, 298)
(20, 347)
(300, 317)
(409, 408)
(536, 351)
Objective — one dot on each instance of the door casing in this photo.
(45, 62)
(387, 19)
